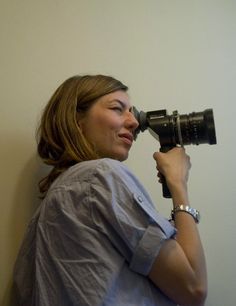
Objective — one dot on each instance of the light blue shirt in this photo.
(93, 241)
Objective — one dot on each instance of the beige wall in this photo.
(172, 54)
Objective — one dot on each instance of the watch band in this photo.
(185, 208)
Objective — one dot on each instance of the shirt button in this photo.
(140, 199)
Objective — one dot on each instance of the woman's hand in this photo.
(174, 165)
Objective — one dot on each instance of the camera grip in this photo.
(165, 190)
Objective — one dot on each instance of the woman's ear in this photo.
(80, 120)
(79, 116)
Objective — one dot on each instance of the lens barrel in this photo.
(196, 128)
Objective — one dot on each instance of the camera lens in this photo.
(197, 128)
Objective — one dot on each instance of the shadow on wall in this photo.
(25, 201)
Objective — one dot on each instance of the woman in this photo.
(97, 239)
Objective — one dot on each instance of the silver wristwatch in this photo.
(192, 211)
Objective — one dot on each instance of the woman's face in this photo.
(109, 125)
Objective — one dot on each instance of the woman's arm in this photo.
(179, 269)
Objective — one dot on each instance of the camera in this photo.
(171, 130)
(177, 129)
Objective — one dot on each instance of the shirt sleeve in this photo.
(124, 213)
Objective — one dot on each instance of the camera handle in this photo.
(165, 190)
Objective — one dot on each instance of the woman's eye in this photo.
(117, 109)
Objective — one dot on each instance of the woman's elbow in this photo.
(198, 296)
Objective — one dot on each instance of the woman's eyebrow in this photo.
(122, 103)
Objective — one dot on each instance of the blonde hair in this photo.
(61, 143)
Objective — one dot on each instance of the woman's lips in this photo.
(127, 138)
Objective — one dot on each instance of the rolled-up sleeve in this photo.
(147, 250)
(158, 230)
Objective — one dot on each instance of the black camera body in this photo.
(175, 129)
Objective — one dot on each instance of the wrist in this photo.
(179, 193)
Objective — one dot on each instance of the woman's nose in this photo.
(131, 121)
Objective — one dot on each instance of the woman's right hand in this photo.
(174, 165)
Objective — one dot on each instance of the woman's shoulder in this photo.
(105, 165)
(101, 171)
(108, 166)
(115, 172)
(88, 170)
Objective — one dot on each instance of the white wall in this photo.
(173, 54)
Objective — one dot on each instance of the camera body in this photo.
(175, 129)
